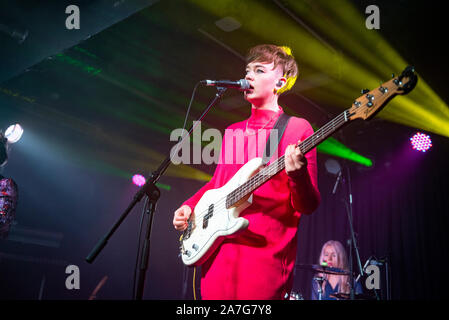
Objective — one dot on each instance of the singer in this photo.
(258, 262)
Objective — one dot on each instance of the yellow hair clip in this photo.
(286, 49)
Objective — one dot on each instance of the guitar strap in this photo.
(279, 128)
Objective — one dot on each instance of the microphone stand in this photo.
(319, 281)
(153, 193)
(352, 241)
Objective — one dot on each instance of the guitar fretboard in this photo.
(278, 165)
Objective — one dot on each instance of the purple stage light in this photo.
(139, 180)
(421, 142)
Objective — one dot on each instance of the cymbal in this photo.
(323, 269)
(347, 296)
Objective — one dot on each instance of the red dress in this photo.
(258, 263)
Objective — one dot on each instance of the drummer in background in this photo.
(333, 255)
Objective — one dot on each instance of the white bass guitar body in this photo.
(211, 220)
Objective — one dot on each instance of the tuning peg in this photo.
(392, 75)
(365, 91)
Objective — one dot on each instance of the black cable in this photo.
(186, 270)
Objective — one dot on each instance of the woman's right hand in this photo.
(181, 216)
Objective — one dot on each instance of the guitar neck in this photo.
(278, 165)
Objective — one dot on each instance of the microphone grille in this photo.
(244, 84)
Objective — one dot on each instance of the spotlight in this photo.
(14, 133)
(139, 180)
(421, 142)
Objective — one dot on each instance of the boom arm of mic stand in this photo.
(149, 188)
(102, 243)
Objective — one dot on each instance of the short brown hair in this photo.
(268, 53)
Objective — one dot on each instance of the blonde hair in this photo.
(279, 55)
(342, 259)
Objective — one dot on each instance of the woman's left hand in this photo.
(295, 162)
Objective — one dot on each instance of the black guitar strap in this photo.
(279, 128)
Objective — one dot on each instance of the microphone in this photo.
(241, 84)
(336, 182)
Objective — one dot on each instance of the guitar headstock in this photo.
(367, 105)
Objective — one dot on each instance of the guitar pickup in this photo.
(207, 216)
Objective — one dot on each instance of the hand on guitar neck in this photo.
(295, 162)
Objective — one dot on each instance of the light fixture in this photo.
(228, 24)
(421, 142)
(139, 180)
(14, 133)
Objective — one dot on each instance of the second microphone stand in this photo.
(352, 242)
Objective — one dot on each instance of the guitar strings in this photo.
(274, 167)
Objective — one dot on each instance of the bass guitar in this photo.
(216, 215)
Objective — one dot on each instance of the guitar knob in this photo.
(195, 247)
(188, 253)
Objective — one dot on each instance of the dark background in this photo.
(86, 133)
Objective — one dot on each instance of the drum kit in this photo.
(322, 269)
